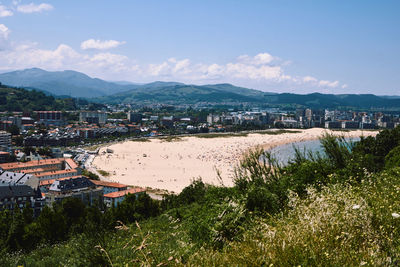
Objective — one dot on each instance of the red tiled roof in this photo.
(108, 184)
(125, 192)
(55, 172)
(33, 163)
(71, 163)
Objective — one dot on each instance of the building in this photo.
(49, 118)
(350, 125)
(14, 178)
(135, 117)
(167, 121)
(114, 198)
(93, 117)
(110, 187)
(19, 190)
(45, 169)
(81, 188)
(4, 156)
(333, 124)
(44, 185)
(5, 141)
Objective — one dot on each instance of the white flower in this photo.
(356, 207)
(395, 215)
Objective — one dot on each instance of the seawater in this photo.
(285, 153)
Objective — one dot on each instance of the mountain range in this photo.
(76, 84)
(68, 82)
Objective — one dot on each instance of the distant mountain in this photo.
(176, 93)
(68, 82)
(76, 84)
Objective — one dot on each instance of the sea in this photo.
(284, 153)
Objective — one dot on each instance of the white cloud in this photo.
(5, 12)
(260, 59)
(32, 8)
(99, 44)
(324, 83)
(4, 32)
(309, 79)
(258, 72)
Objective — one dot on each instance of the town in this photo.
(43, 154)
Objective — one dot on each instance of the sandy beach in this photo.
(173, 165)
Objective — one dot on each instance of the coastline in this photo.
(172, 165)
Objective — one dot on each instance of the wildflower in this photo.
(356, 207)
(395, 215)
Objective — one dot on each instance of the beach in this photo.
(172, 164)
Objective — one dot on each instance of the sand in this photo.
(173, 165)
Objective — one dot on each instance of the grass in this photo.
(171, 138)
(103, 173)
(335, 219)
(140, 140)
(220, 135)
(340, 225)
(277, 132)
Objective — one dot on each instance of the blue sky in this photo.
(280, 46)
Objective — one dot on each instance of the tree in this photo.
(13, 130)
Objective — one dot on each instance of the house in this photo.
(110, 187)
(45, 169)
(114, 198)
(19, 190)
(81, 188)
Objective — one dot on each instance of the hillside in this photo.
(76, 84)
(18, 99)
(227, 93)
(176, 93)
(68, 82)
(340, 209)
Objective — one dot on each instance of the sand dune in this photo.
(172, 165)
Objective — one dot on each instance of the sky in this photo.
(298, 46)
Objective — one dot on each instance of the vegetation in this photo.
(171, 138)
(90, 174)
(103, 173)
(337, 208)
(18, 99)
(219, 135)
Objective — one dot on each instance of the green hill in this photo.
(167, 93)
(18, 99)
(182, 94)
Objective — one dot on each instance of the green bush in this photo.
(392, 159)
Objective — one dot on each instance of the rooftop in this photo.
(70, 184)
(13, 178)
(108, 184)
(16, 191)
(125, 192)
(51, 181)
(29, 164)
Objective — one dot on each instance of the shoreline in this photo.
(172, 165)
